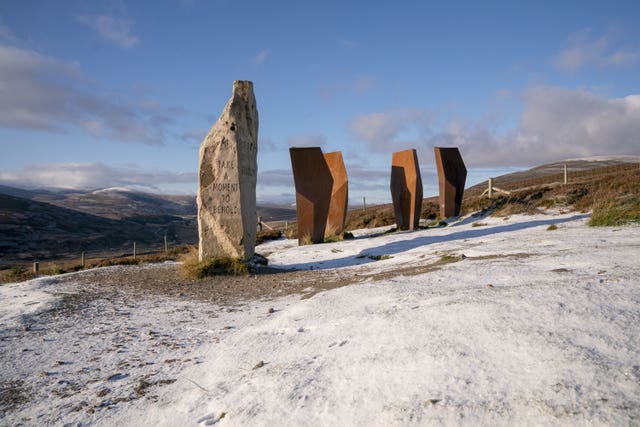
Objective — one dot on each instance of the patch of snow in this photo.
(620, 158)
(113, 190)
(22, 299)
(532, 326)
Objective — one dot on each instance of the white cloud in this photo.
(43, 93)
(116, 30)
(90, 176)
(555, 124)
(383, 129)
(584, 49)
(261, 57)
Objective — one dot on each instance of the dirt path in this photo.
(165, 279)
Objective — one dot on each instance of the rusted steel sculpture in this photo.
(406, 189)
(313, 183)
(452, 175)
(337, 214)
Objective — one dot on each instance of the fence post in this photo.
(134, 249)
(364, 204)
(565, 174)
(36, 267)
(166, 246)
(286, 225)
(491, 188)
(82, 259)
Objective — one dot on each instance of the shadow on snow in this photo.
(393, 248)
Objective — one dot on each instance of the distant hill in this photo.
(573, 165)
(113, 203)
(47, 224)
(31, 229)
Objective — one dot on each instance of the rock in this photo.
(227, 179)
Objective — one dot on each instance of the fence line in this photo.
(564, 177)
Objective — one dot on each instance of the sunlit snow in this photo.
(520, 325)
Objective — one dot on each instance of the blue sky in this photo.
(98, 94)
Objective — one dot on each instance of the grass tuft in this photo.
(16, 274)
(609, 213)
(305, 240)
(193, 268)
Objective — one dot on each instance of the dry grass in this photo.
(265, 235)
(305, 240)
(613, 199)
(193, 268)
(21, 271)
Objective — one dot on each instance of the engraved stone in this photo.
(227, 179)
(339, 193)
(452, 175)
(313, 183)
(406, 189)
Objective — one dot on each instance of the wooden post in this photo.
(364, 204)
(286, 225)
(490, 188)
(166, 246)
(134, 250)
(36, 267)
(565, 175)
(82, 259)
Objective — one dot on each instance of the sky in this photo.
(99, 94)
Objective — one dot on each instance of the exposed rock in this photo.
(227, 179)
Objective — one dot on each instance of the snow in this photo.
(530, 326)
(20, 300)
(619, 158)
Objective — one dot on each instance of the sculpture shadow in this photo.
(393, 248)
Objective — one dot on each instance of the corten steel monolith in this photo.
(227, 179)
(406, 189)
(313, 183)
(339, 193)
(452, 175)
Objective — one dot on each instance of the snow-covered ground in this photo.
(485, 322)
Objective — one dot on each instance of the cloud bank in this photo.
(45, 94)
(555, 124)
(91, 176)
(583, 49)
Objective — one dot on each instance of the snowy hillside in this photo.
(488, 321)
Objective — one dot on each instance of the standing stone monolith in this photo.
(406, 189)
(452, 175)
(339, 193)
(227, 179)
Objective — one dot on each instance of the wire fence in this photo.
(572, 176)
